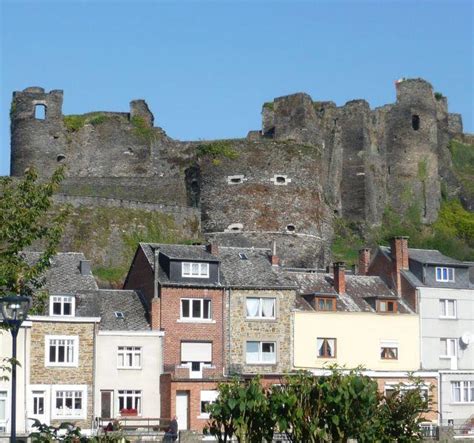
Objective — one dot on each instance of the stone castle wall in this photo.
(311, 162)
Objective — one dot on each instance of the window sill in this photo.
(203, 416)
(327, 358)
(258, 319)
(129, 368)
(61, 365)
(447, 318)
(195, 320)
(261, 363)
(447, 357)
(461, 403)
(69, 416)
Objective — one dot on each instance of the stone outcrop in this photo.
(311, 162)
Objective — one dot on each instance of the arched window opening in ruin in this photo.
(235, 227)
(60, 158)
(415, 122)
(40, 112)
(291, 228)
(280, 179)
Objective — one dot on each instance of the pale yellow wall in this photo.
(358, 337)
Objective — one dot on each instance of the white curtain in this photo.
(268, 307)
(252, 307)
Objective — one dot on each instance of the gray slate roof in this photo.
(255, 271)
(64, 275)
(104, 303)
(428, 256)
(359, 288)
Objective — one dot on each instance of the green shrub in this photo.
(142, 129)
(75, 122)
(217, 150)
(462, 155)
(438, 95)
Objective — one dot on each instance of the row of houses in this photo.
(190, 317)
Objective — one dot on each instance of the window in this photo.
(325, 304)
(463, 391)
(195, 355)
(261, 308)
(447, 308)
(390, 389)
(415, 122)
(129, 357)
(207, 397)
(195, 309)
(280, 180)
(61, 350)
(386, 306)
(388, 350)
(449, 347)
(326, 347)
(235, 179)
(261, 352)
(119, 314)
(290, 228)
(40, 112)
(61, 305)
(68, 403)
(3, 406)
(444, 274)
(38, 402)
(130, 401)
(195, 270)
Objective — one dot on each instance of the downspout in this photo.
(25, 376)
(420, 325)
(94, 361)
(440, 404)
(229, 335)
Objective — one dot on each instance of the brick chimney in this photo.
(399, 252)
(364, 261)
(213, 249)
(340, 277)
(155, 313)
(275, 261)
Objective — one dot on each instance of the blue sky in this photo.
(205, 68)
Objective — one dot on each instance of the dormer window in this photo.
(386, 306)
(195, 270)
(325, 304)
(61, 305)
(444, 274)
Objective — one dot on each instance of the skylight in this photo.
(119, 314)
(243, 256)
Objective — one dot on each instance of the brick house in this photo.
(439, 289)
(185, 296)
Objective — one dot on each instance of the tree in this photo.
(27, 218)
(242, 410)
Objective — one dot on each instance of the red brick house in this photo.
(186, 302)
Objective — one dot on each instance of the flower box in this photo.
(128, 412)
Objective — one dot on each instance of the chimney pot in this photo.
(213, 249)
(274, 259)
(364, 261)
(399, 252)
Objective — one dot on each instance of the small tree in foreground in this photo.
(332, 408)
(27, 218)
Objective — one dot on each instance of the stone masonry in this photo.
(311, 163)
(80, 375)
(240, 329)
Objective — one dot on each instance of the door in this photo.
(106, 410)
(182, 412)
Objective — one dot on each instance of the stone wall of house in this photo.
(239, 329)
(80, 375)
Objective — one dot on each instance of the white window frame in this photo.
(448, 278)
(129, 354)
(203, 269)
(132, 393)
(5, 397)
(190, 318)
(404, 387)
(260, 353)
(260, 315)
(331, 341)
(76, 414)
(466, 391)
(207, 396)
(62, 299)
(445, 302)
(454, 342)
(37, 394)
(75, 350)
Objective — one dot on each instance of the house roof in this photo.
(359, 288)
(104, 303)
(428, 256)
(178, 252)
(251, 267)
(64, 275)
(255, 271)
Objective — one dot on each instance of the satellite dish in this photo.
(466, 338)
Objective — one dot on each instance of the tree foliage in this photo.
(28, 218)
(333, 408)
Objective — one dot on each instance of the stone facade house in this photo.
(353, 320)
(183, 286)
(259, 301)
(439, 288)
